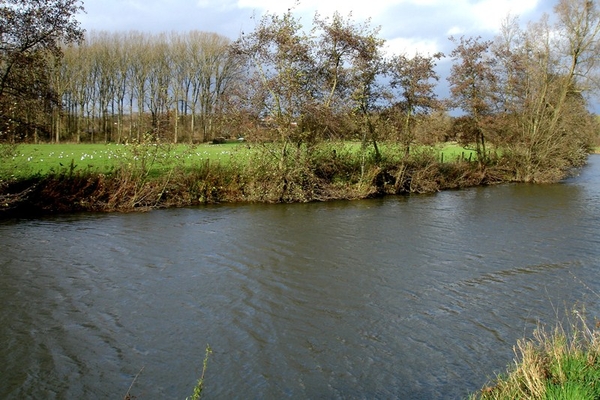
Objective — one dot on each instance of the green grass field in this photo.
(32, 159)
(42, 159)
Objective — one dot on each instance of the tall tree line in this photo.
(118, 87)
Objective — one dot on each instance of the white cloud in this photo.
(489, 14)
(411, 46)
(455, 31)
(360, 8)
(217, 5)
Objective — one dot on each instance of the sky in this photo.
(406, 25)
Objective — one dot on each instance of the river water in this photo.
(414, 297)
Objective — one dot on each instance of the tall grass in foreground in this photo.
(198, 387)
(563, 363)
(200, 384)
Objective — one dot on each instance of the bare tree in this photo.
(158, 61)
(579, 46)
(368, 90)
(78, 75)
(105, 70)
(181, 80)
(544, 72)
(279, 61)
(139, 72)
(217, 68)
(147, 77)
(205, 77)
(349, 64)
(121, 72)
(342, 47)
(415, 79)
(473, 87)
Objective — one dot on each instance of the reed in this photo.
(561, 363)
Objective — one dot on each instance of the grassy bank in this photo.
(29, 160)
(64, 178)
(560, 364)
(41, 179)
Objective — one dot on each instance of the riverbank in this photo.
(145, 179)
(563, 363)
(128, 190)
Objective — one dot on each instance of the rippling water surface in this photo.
(406, 297)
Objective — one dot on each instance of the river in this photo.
(415, 297)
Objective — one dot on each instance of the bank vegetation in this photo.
(296, 95)
(559, 363)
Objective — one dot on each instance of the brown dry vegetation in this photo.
(303, 177)
(563, 363)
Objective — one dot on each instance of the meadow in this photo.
(44, 159)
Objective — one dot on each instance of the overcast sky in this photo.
(407, 25)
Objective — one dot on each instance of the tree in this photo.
(544, 73)
(368, 91)
(133, 84)
(415, 79)
(121, 71)
(31, 35)
(301, 80)
(215, 68)
(138, 81)
(339, 44)
(181, 79)
(579, 27)
(159, 82)
(281, 74)
(349, 62)
(78, 65)
(473, 87)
